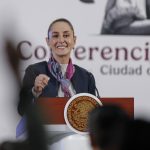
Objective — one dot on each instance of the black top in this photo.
(82, 81)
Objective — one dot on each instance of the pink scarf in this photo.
(55, 69)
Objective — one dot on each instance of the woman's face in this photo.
(61, 40)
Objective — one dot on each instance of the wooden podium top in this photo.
(53, 108)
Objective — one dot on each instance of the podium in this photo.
(58, 132)
(53, 108)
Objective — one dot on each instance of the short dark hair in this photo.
(107, 125)
(137, 135)
(60, 20)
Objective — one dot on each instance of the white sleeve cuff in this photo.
(36, 95)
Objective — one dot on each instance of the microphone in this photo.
(98, 96)
(96, 90)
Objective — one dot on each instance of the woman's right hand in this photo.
(40, 82)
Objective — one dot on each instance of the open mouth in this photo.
(61, 47)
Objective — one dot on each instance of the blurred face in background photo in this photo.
(61, 40)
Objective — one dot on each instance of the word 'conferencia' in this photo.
(137, 53)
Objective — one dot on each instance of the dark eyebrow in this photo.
(63, 32)
(66, 32)
(54, 32)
